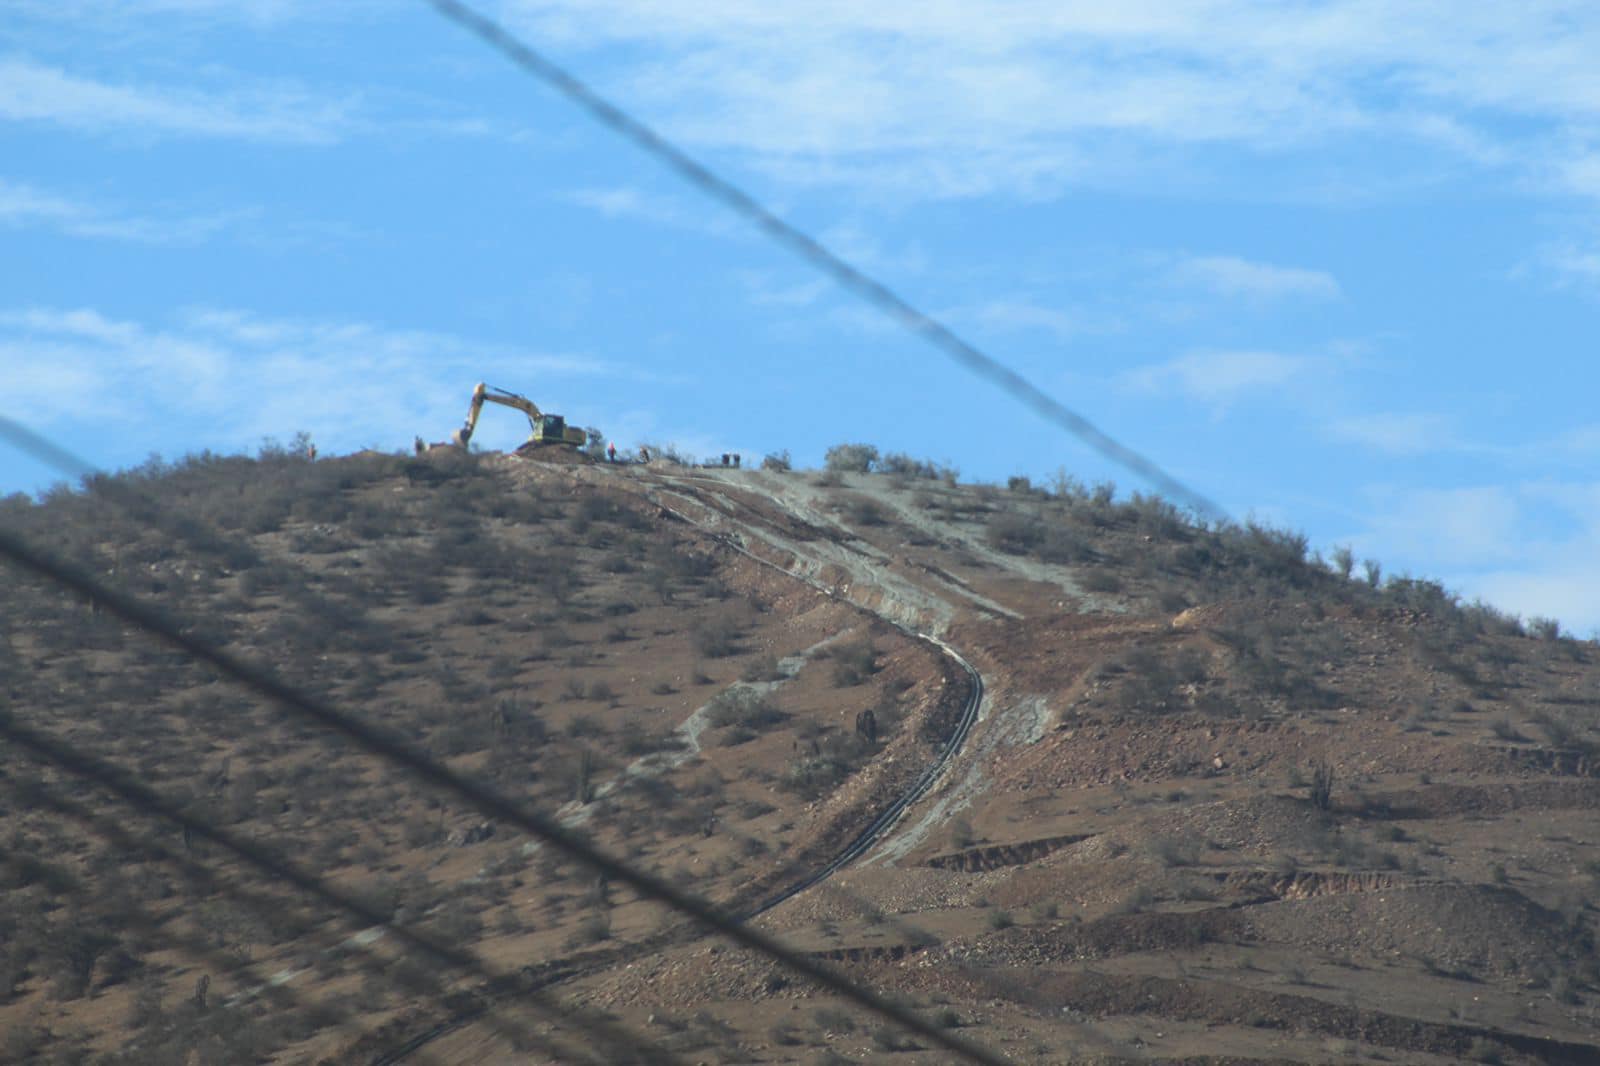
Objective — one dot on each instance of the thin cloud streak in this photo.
(1398, 432)
(1220, 378)
(1229, 275)
(1030, 93)
(35, 92)
(1021, 314)
(230, 376)
(25, 206)
(1526, 547)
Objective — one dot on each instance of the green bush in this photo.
(854, 663)
(863, 510)
(762, 668)
(744, 708)
(903, 465)
(718, 637)
(850, 458)
(1544, 628)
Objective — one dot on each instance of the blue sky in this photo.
(1335, 265)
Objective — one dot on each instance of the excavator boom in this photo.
(543, 428)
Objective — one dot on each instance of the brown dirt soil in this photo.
(1127, 858)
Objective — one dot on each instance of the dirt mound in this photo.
(1103, 994)
(858, 897)
(1202, 616)
(994, 856)
(1441, 801)
(1468, 930)
(1257, 886)
(1117, 934)
(1094, 888)
(686, 979)
(560, 454)
(1261, 824)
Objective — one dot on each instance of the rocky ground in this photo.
(1220, 801)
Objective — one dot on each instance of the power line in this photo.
(813, 251)
(202, 538)
(137, 503)
(485, 800)
(409, 977)
(130, 915)
(113, 780)
(144, 508)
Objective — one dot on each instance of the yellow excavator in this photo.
(544, 429)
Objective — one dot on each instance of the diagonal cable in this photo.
(199, 536)
(486, 800)
(132, 916)
(819, 255)
(409, 977)
(114, 780)
(138, 504)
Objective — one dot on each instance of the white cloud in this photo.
(1450, 527)
(34, 92)
(1525, 547)
(1564, 589)
(255, 12)
(79, 324)
(632, 204)
(1585, 440)
(861, 248)
(1232, 276)
(1033, 95)
(765, 290)
(1574, 264)
(629, 203)
(22, 205)
(1219, 378)
(229, 377)
(1397, 433)
(1022, 97)
(1011, 314)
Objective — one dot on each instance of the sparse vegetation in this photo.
(1504, 730)
(762, 668)
(718, 637)
(1544, 628)
(746, 710)
(1322, 784)
(1153, 680)
(850, 458)
(1174, 851)
(854, 663)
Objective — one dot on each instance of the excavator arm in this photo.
(542, 428)
(483, 393)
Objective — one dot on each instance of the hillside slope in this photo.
(1217, 800)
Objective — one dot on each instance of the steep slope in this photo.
(1216, 799)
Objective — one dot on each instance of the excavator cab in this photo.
(553, 429)
(550, 429)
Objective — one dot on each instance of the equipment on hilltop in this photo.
(544, 429)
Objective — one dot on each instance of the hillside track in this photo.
(886, 819)
(880, 826)
(750, 523)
